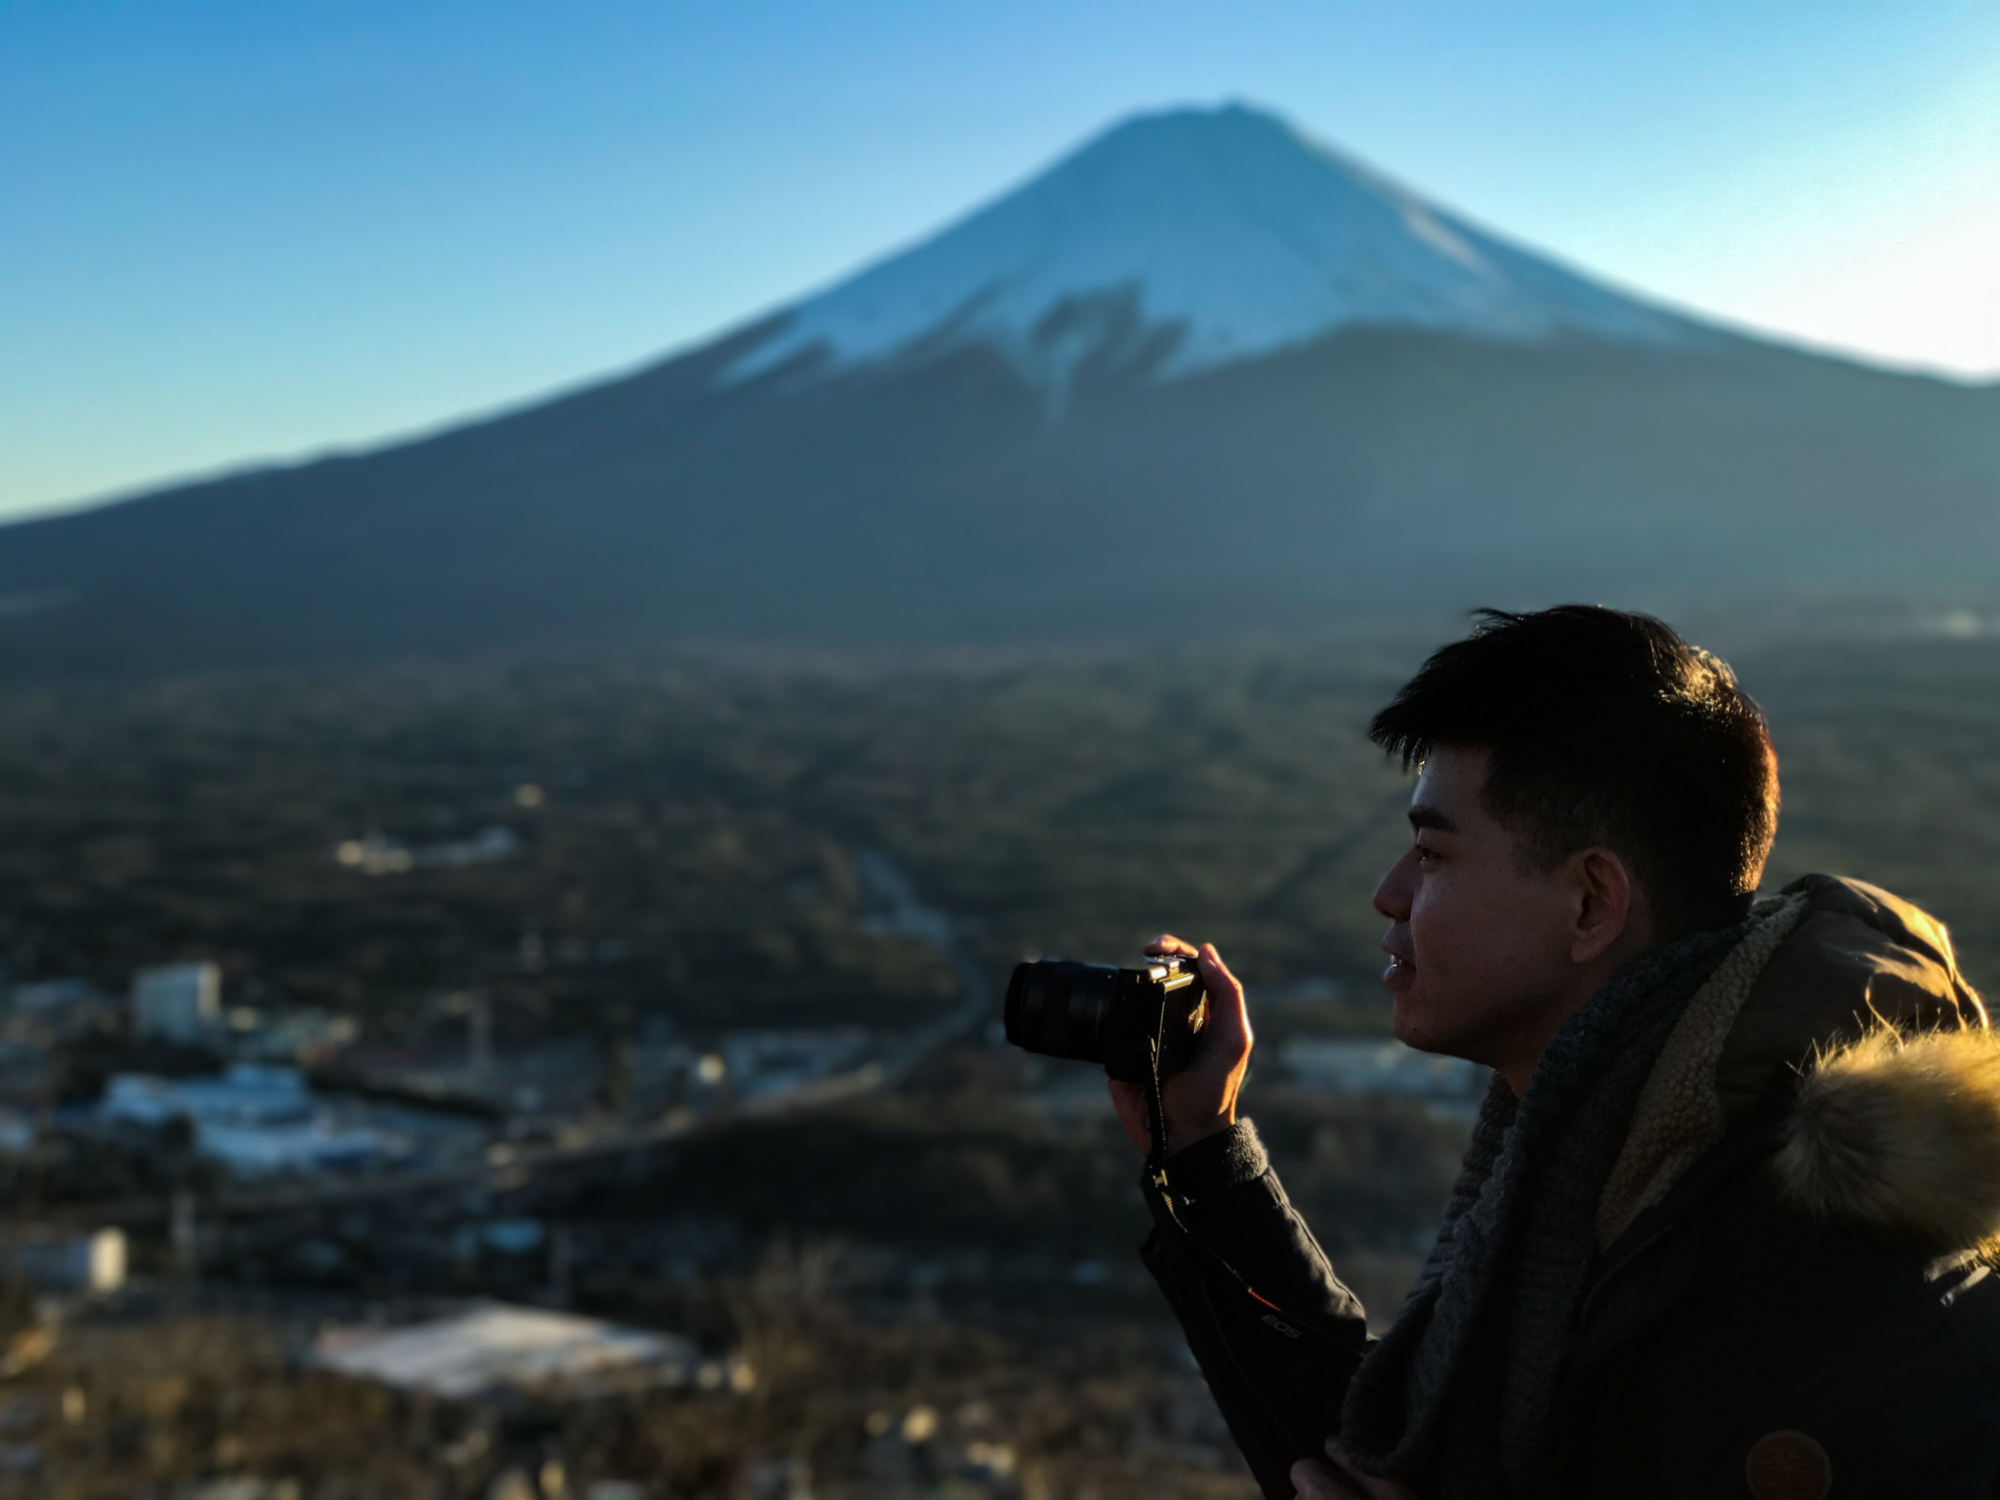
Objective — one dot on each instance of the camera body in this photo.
(1103, 1014)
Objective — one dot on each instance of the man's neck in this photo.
(1520, 1058)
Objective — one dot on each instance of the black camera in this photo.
(1117, 1017)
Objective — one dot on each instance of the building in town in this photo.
(177, 1002)
(492, 1347)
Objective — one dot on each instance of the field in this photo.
(693, 846)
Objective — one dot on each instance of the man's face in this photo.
(1480, 943)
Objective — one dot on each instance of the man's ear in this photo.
(1608, 902)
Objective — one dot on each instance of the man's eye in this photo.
(1424, 852)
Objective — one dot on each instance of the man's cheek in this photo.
(1431, 914)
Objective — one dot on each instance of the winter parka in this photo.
(1801, 1303)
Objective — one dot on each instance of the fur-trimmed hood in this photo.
(1903, 1133)
(1848, 1002)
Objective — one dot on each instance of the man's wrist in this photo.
(1180, 1135)
(1222, 1159)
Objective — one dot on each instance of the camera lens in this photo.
(1061, 1009)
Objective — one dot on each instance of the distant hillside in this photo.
(1202, 374)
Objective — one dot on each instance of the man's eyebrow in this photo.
(1429, 817)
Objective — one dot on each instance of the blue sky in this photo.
(234, 231)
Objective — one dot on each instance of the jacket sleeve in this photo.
(1274, 1331)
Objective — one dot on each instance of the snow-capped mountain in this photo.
(1193, 238)
(1290, 392)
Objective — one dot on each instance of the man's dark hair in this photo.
(1606, 728)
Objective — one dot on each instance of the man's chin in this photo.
(1416, 1029)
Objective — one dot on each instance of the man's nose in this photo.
(1392, 896)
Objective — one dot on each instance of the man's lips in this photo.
(1402, 970)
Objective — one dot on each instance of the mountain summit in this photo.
(1189, 239)
(1290, 392)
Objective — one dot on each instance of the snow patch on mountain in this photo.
(1192, 239)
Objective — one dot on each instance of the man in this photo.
(1727, 1222)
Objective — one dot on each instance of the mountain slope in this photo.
(1047, 475)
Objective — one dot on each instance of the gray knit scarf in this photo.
(1457, 1396)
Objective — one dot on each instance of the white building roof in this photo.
(494, 1346)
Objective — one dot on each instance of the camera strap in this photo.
(1156, 1110)
(1286, 1323)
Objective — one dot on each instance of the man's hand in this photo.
(1334, 1478)
(1200, 1100)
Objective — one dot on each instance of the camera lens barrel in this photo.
(1129, 1021)
(1061, 1009)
